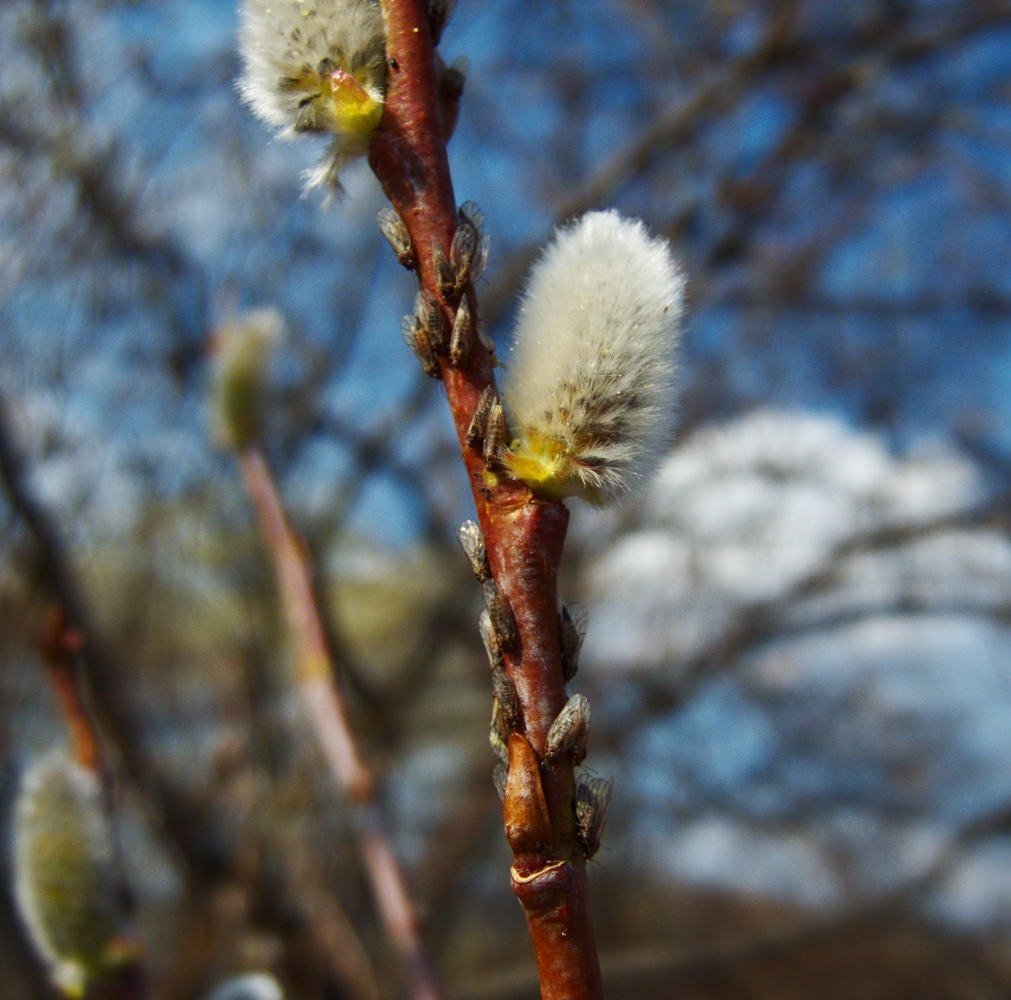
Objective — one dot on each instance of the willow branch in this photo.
(523, 534)
(327, 713)
(182, 819)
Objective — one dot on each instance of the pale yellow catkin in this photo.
(64, 871)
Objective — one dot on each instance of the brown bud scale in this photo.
(417, 340)
(494, 435)
(524, 808)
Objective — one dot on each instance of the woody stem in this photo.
(523, 534)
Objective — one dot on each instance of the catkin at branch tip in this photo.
(319, 66)
(315, 66)
(590, 392)
(64, 872)
(242, 351)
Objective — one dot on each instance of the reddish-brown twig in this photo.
(523, 534)
(60, 646)
(325, 706)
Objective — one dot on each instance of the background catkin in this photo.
(65, 875)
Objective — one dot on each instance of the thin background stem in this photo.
(326, 710)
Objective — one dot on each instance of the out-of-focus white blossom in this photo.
(772, 509)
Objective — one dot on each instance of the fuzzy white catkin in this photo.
(590, 392)
(289, 49)
(64, 871)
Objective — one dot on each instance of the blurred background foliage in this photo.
(799, 652)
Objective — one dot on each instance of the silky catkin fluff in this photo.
(65, 881)
(316, 66)
(590, 391)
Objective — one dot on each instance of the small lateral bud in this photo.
(498, 733)
(470, 211)
(573, 620)
(593, 801)
(444, 277)
(525, 810)
(478, 422)
(499, 777)
(495, 434)
(463, 329)
(501, 614)
(508, 702)
(429, 315)
(417, 340)
(568, 732)
(461, 253)
(393, 228)
(490, 640)
(472, 543)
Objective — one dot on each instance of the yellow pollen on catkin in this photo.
(356, 112)
(543, 464)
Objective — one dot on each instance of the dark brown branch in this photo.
(523, 535)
